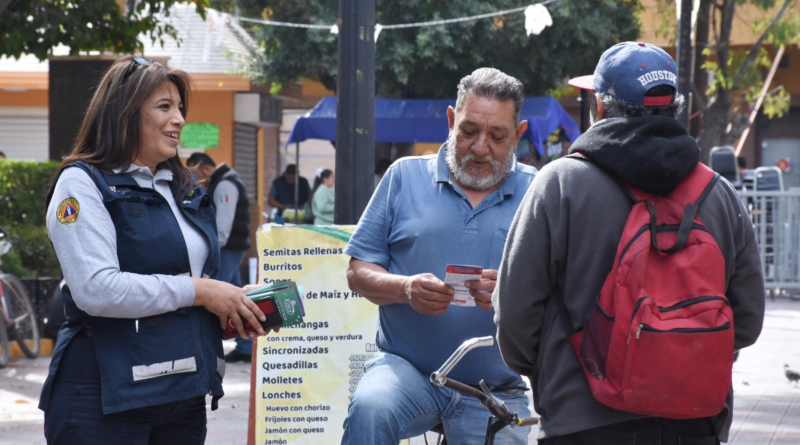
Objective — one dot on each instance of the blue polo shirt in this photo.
(419, 221)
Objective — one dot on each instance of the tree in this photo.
(739, 73)
(37, 26)
(428, 62)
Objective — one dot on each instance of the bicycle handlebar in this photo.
(528, 421)
(466, 389)
(438, 377)
(487, 399)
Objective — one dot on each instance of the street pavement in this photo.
(767, 406)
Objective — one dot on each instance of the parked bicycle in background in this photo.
(17, 318)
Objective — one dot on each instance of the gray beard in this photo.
(458, 168)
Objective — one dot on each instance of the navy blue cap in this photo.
(627, 70)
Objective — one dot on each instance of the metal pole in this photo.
(700, 75)
(685, 59)
(355, 112)
(296, 181)
(585, 121)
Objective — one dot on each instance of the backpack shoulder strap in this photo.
(628, 192)
(691, 192)
(694, 188)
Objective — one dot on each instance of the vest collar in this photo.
(219, 173)
(136, 171)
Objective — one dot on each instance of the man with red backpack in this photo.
(630, 274)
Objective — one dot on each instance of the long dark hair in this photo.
(111, 134)
(318, 179)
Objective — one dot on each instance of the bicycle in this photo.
(501, 416)
(3, 344)
(16, 312)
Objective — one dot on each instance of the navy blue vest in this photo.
(136, 357)
(239, 238)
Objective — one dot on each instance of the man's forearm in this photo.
(375, 283)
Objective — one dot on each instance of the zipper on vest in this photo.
(179, 205)
(203, 232)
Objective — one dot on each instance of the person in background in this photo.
(381, 166)
(431, 212)
(746, 175)
(2, 155)
(229, 197)
(281, 195)
(142, 345)
(323, 197)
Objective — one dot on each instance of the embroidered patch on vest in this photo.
(67, 212)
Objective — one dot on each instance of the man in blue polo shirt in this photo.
(452, 208)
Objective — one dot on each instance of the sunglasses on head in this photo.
(137, 61)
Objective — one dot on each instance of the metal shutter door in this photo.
(245, 157)
(25, 137)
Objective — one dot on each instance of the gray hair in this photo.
(616, 108)
(492, 83)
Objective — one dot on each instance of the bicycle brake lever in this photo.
(492, 400)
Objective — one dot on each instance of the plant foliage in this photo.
(37, 26)
(428, 62)
(23, 189)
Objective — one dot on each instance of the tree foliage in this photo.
(23, 189)
(739, 73)
(428, 62)
(37, 26)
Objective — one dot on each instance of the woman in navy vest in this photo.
(137, 243)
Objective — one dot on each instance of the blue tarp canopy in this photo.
(425, 120)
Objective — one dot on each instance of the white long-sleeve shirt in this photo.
(87, 251)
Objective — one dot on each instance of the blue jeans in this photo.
(395, 401)
(229, 261)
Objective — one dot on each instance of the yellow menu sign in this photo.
(306, 374)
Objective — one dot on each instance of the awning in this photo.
(425, 120)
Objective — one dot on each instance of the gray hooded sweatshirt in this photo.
(563, 241)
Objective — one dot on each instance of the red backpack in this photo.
(659, 341)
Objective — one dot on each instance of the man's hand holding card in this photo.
(427, 294)
(481, 290)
